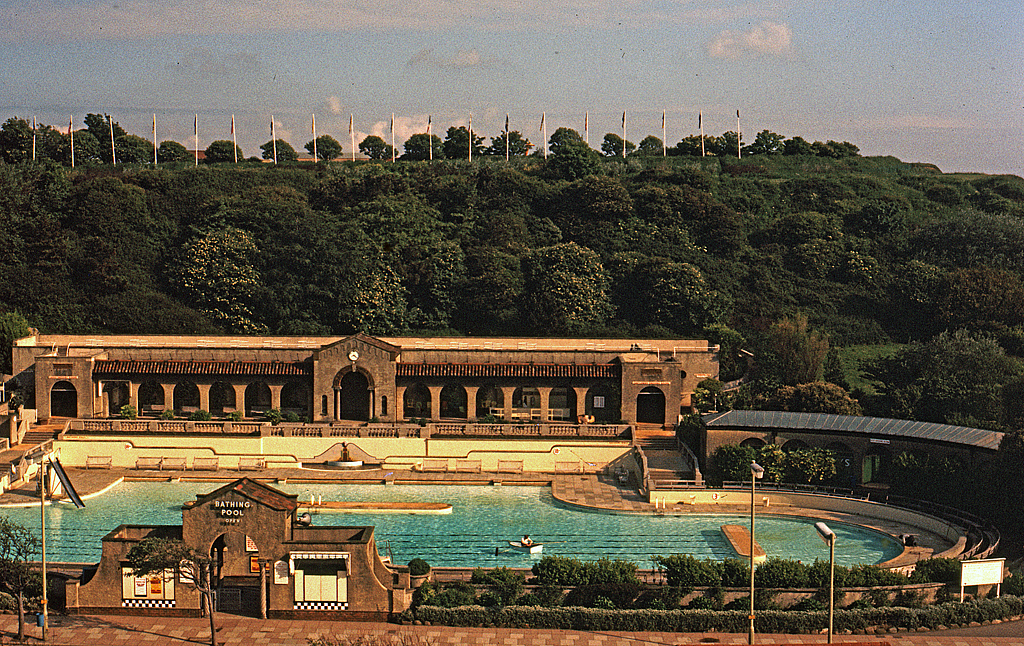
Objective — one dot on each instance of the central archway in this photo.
(355, 397)
(650, 406)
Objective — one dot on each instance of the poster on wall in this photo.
(141, 586)
(156, 586)
(254, 565)
(280, 573)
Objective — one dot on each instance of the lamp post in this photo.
(829, 537)
(756, 471)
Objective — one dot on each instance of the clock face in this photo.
(353, 356)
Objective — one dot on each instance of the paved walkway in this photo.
(103, 630)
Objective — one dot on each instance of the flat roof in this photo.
(80, 341)
(879, 426)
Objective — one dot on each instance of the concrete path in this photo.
(108, 630)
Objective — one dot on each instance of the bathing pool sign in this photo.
(981, 572)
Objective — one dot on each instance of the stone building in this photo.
(361, 378)
(265, 559)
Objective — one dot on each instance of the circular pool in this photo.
(483, 518)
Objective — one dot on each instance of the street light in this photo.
(829, 537)
(756, 471)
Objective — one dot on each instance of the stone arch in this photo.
(753, 442)
(562, 403)
(257, 399)
(490, 400)
(116, 394)
(526, 397)
(151, 396)
(355, 395)
(295, 398)
(795, 445)
(603, 404)
(650, 406)
(453, 401)
(230, 558)
(63, 400)
(846, 464)
(222, 399)
(416, 402)
(185, 396)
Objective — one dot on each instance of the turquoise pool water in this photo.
(482, 519)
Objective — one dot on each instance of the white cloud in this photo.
(139, 19)
(765, 39)
(462, 59)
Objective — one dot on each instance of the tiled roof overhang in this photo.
(255, 368)
(504, 370)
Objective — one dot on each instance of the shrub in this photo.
(809, 604)
(686, 571)
(236, 416)
(200, 416)
(167, 414)
(546, 595)
(418, 567)
(936, 571)
(291, 417)
(704, 603)
(504, 582)
(781, 573)
(735, 573)
(128, 412)
(1014, 584)
(273, 416)
(560, 570)
(619, 594)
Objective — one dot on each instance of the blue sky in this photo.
(925, 80)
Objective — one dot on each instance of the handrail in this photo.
(966, 520)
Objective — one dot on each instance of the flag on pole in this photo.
(700, 127)
(470, 137)
(544, 134)
(197, 139)
(586, 127)
(392, 137)
(234, 144)
(352, 137)
(154, 139)
(71, 135)
(33, 138)
(113, 154)
(430, 141)
(273, 138)
(506, 136)
(314, 137)
(738, 134)
(623, 134)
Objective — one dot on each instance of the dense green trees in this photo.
(327, 148)
(785, 256)
(376, 148)
(222, 151)
(279, 150)
(456, 143)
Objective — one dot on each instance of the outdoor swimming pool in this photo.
(482, 518)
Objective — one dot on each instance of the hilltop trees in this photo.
(418, 147)
(223, 151)
(376, 148)
(327, 148)
(280, 147)
(456, 143)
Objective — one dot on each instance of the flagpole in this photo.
(664, 138)
(544, 133)
(71, 134)
(113, 153)
(273, 138)
(234, 143)
(315, 158)
(33, 138)
(506, 137)
(352, 136)
(392, 137)
(197, 138)
(470, 137)
(430, 141)
(700, 126)
(737, 134)
(154, 139)
(586, 127)
(623, 134)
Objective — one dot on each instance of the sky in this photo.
(935, 81)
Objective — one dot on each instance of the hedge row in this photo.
(695, 621)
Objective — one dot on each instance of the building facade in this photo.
(264, 559)
(362, 378)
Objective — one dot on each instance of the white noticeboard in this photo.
(982, 572)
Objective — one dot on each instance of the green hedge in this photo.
(696, 621)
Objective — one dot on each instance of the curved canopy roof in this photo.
(879, 426)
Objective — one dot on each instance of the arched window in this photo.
(416, 402)
(222, 399)
(490, 400)
(151, 397)
(257, 399)
(186, 397)
(63, 400)
(453, 401)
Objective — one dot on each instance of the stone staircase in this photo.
(664, 461)
(12, 460)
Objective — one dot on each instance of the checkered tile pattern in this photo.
(147, 603)
(321, 605)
